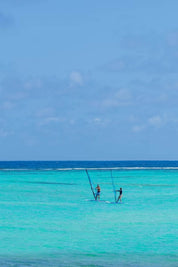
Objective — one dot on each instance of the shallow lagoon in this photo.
(47, 218)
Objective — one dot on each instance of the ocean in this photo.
(48, 216)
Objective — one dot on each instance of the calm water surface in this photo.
(47, 217)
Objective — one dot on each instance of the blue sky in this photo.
(94, 80)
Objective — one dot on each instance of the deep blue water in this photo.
(84, 164)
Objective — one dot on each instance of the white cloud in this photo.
(37, 83)
(138, 128)
(51, 120)
(155, 121)
(76, 78)
(110, 103)
(123, 95)
(98, 121)
(116, 65)
(45, 112)
(132, 118)
(121, 98)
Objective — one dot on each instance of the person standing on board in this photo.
(98, 192)
(120, 195)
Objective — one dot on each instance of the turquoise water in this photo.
(47, 218)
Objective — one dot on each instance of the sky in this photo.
(88, 80)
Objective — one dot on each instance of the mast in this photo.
(113, 185)
(91, 184)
